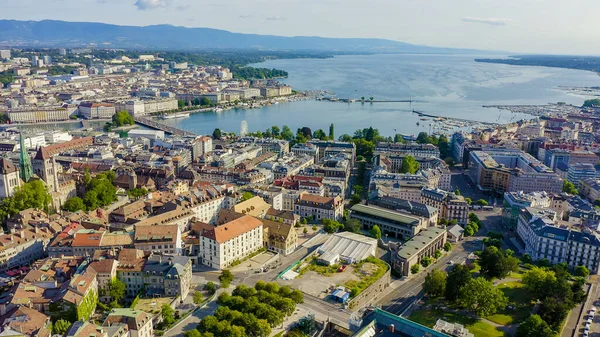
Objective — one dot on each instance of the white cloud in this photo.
(244, 16)
(275, 18)
(151, 4)
(488, 21)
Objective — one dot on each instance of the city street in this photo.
(411, 289)
(458, 180)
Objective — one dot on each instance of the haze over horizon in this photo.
(517, 26)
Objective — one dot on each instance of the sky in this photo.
(517, 26)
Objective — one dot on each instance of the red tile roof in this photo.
(233, 229)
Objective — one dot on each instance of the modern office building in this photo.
(581, 171)
(504, 170)
(514, 202)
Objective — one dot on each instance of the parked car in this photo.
(342, 268)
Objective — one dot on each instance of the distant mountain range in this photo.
(51, 33)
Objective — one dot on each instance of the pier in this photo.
(160, 126)
(423, 114)
(354, 100)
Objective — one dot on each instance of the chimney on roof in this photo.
(392, 328)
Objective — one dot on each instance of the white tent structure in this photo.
(350, 247)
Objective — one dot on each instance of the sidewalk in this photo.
(192, 321)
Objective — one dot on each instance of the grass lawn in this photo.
(475, 326)
(318, 268)
(518, 297)
(518, 275)
(152, 305)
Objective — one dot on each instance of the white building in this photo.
(39, 115)
(542, 239)
(54, 137)
(232, 241)
(96, 110)
(34, 141)
(9, 178)
(150, 134)
(23, 247)
(160, 106)
(135, 108)
(4, 53)
(163, 239)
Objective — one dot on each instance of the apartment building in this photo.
(106, 271)
(410, 149)
(234, 240)
(137, 323)
(131, 270)
(9, 178)
(397, 185)
(543, 239)
(166, 275)
(23, 247)
(160, 239)
(451, 206)
(254, 206)
(306, 149)
(279, 237)
(331, 147)
(281, 147)
(319, 207)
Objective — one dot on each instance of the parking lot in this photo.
(589, 321)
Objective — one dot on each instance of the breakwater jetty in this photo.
(360, 100)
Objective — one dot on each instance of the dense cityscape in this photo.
(117, 223)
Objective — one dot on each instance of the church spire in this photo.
(25, 160)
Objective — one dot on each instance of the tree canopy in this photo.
(247, 196)
(375, 232)
(481, 297)
(409, 165)
(534, 326)
(495, 262)
(569, 187)
(225, 278)
(591, 102)
(60, 327)
(435, 283)
(457, 278)
(100, 191)
(32, 194)
(122, 118)
(251, 311)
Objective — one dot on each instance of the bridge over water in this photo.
(163, 127)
